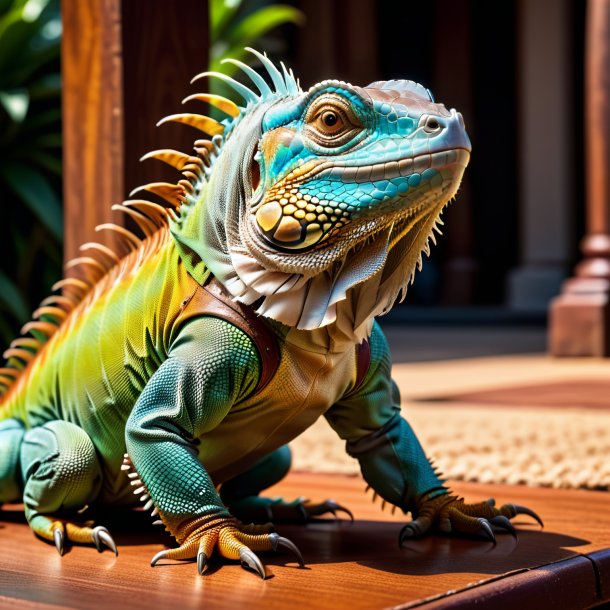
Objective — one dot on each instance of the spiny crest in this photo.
(284, 82)
(140, 489)
(93, 269)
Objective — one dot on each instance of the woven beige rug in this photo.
(528, 420)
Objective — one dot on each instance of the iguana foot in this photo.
(60, 530)
(452, 514)
(233, 540)
(276, 510)
(310, 510)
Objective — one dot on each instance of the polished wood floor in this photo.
(356, 566)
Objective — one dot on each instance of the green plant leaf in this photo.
(49, 140)
(9, 18)
(51, 163)
(257, 24)
(42, 119)
(12, 298)
(16, 103)
(22, 70)
(221, 13)
(35, 191)
(6, 6)
(29, 38)
(15, 42)
(47, 86)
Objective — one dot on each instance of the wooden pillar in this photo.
(92, 117)
(125, 65)
(580, 316)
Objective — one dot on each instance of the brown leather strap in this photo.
(363, 362)
(211, 300)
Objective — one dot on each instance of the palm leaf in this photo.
(12, 298)
(36, 192)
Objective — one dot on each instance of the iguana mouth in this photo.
(291, 220)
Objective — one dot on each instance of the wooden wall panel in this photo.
(165, 44)
(92, 116)
(125, 65)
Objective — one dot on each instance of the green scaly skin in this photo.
(313, 209)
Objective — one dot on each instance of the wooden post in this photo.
(92, 117)
(125, 65)
(580, 316)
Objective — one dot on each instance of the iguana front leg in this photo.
(394, 464)
(212, 365)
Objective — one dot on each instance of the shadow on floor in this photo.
(368, 543)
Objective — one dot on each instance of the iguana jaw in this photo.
(438, 176)
(291, 221)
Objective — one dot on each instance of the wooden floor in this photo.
(356, 566)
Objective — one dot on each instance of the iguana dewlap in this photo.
(178, 368)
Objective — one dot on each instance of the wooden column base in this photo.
(579, 323)
(579, 319)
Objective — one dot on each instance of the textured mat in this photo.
(488, 443)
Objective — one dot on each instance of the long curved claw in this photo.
(160, 555)
(58, 539)
(405, 532)
(486, 530)
(202, 559)
(278, 541)
(335, 508)
(102, 536)
(504, 523)
(251, 561)
(524, 510)
(417, 527)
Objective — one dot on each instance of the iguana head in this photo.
(320, 203)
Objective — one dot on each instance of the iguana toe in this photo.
(101, 536)
(328, 506)
(278, 541)
(452, 514)
(60, 530)
(512, 510)
(278, 510)
(233, 541)
(485, 530)
(58, 537)
(504, 523)
(202, 560)
(417, 527)
(251, 561)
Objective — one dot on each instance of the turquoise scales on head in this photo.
(310, 209)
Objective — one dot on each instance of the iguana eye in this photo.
(330, 121)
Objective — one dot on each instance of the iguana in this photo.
(178, 368)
